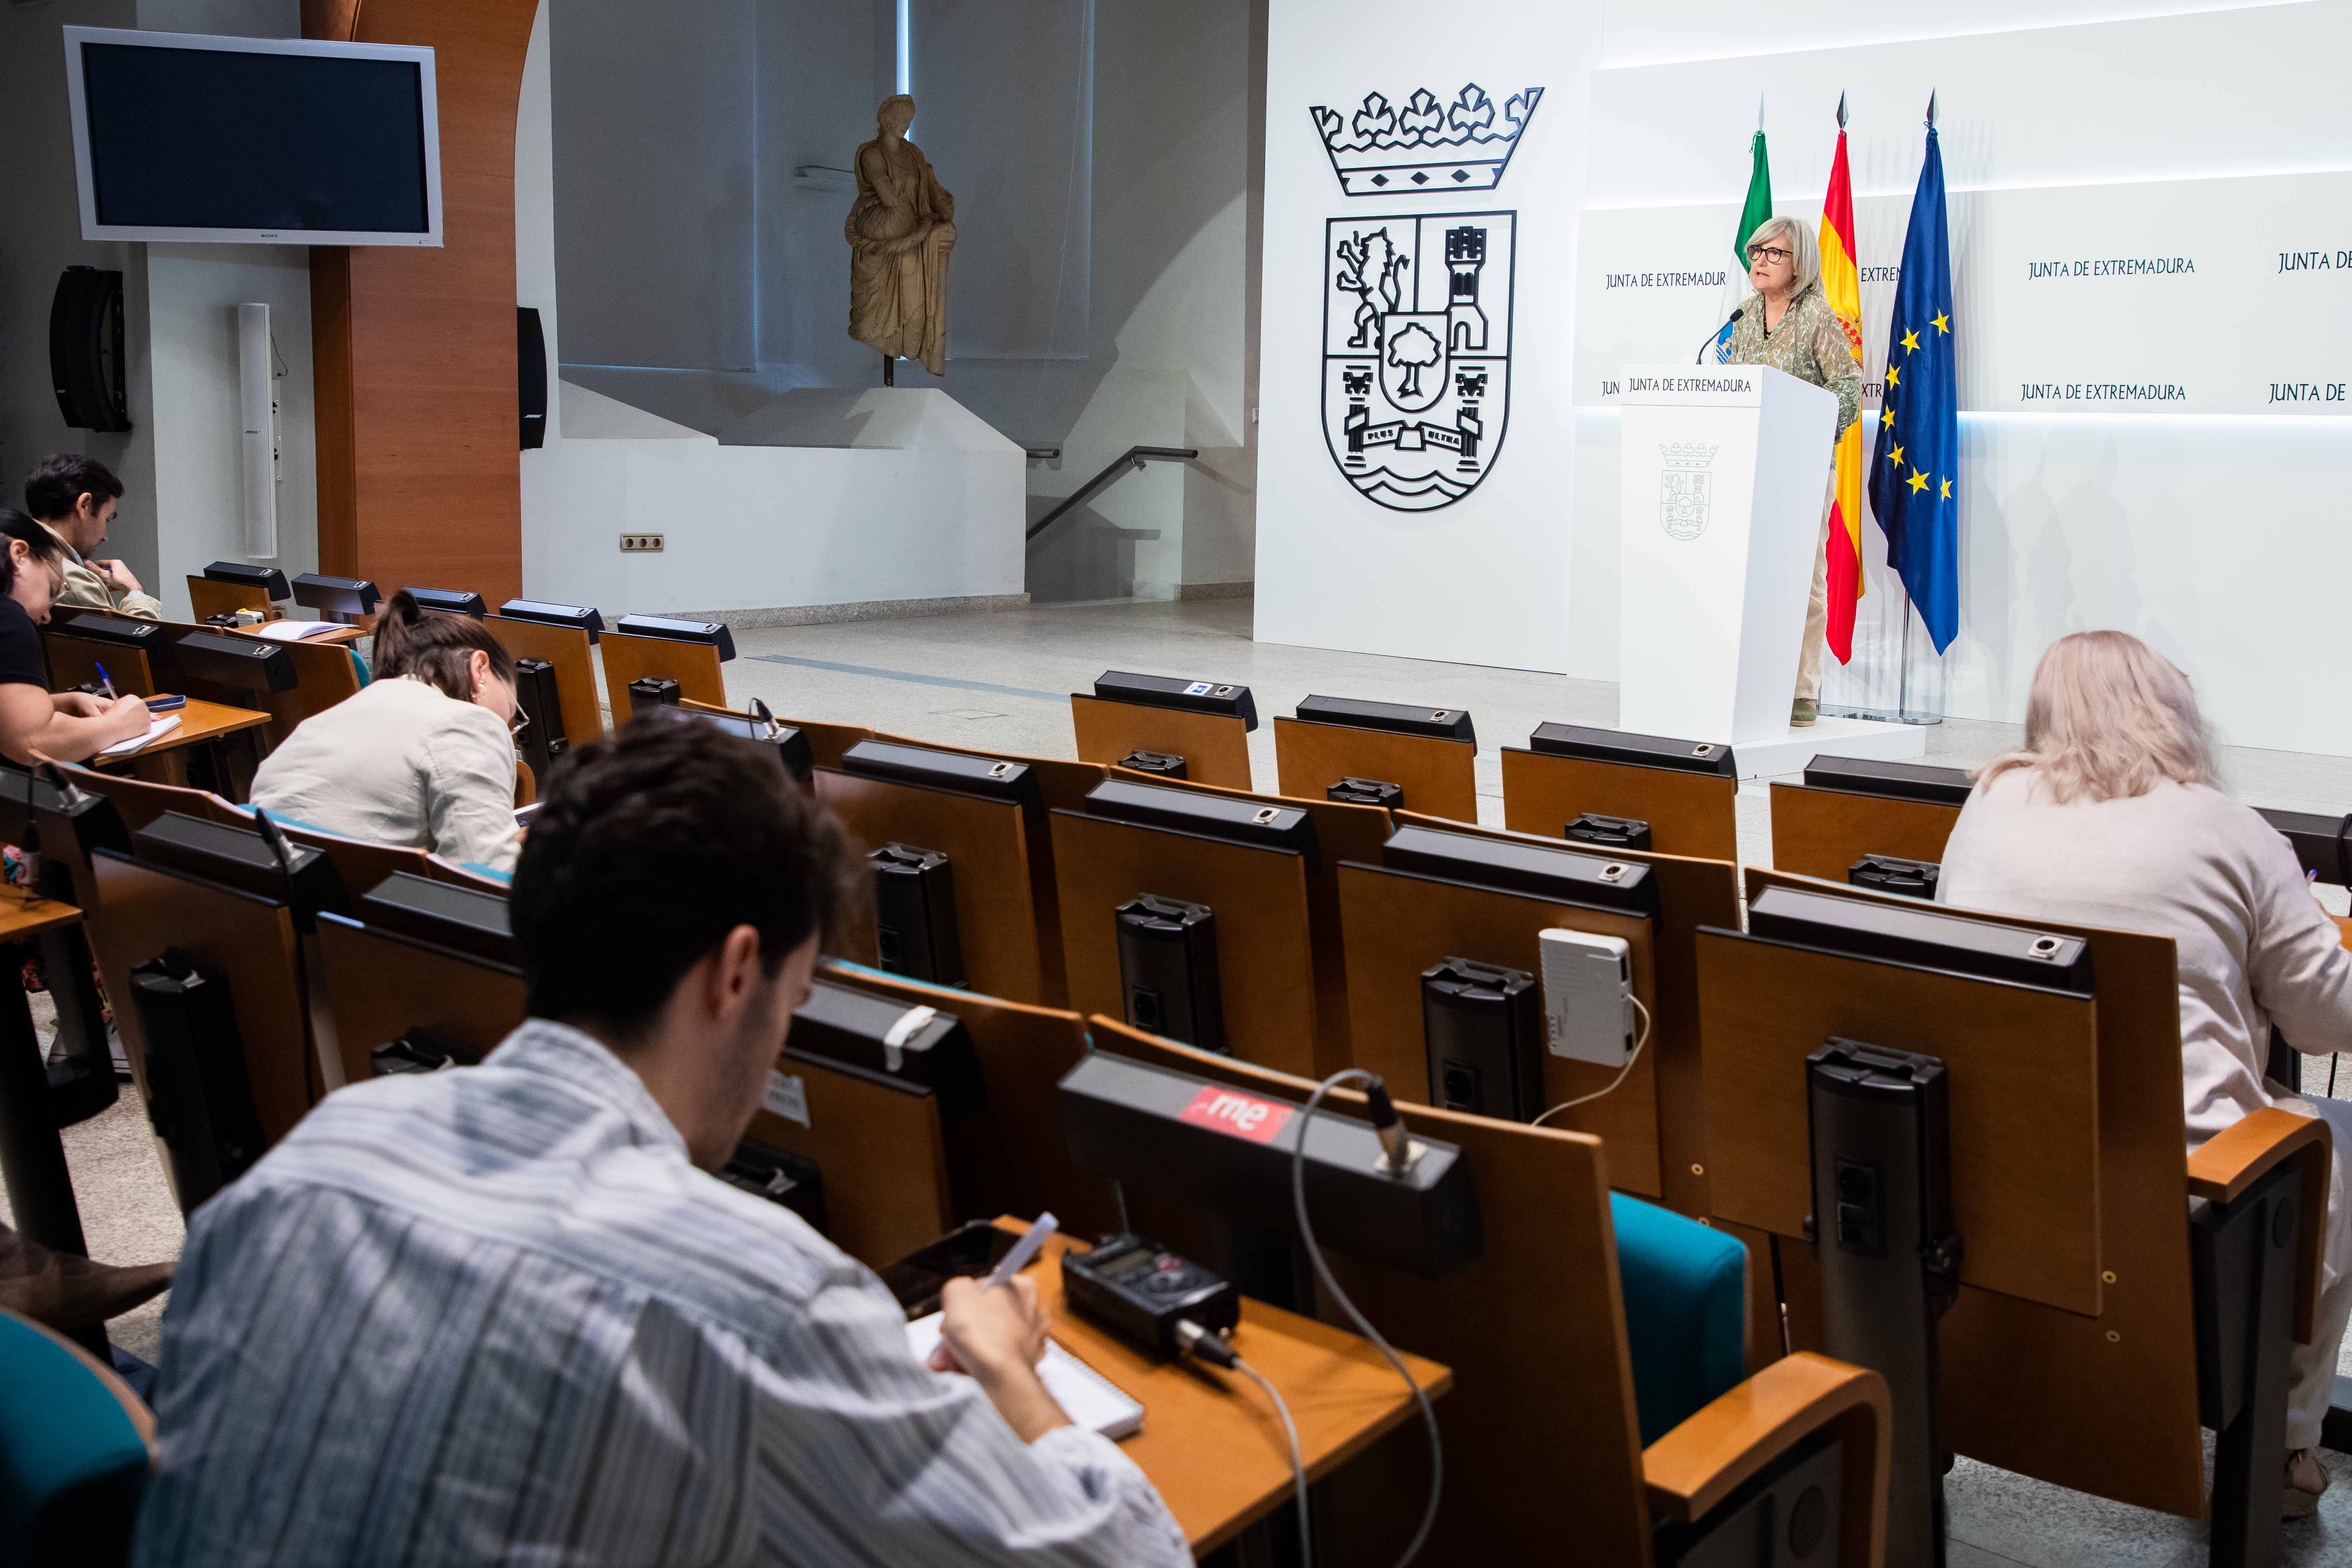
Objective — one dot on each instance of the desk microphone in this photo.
(1717, 334)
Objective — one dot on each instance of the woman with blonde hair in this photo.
(2111, 814)
(1788, 324)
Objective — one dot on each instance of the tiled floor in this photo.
(1003, 682)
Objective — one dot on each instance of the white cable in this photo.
(1630, 1058)
(1297, 1460)
(1363, 1326)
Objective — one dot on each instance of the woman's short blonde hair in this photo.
(1804, 250)
(2109, 718)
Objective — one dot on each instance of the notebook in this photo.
(1086, 1395)
(160, 724)
(294, 631)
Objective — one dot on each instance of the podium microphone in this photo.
(1717, 334)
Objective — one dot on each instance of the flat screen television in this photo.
(183, 136)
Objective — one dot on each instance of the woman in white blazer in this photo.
(423, 756)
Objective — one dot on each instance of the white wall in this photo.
(192, 293)
(655, 178)
(2217, 539)
(41, 236)
(1485, 579)
(1099, 292)
(535, 282)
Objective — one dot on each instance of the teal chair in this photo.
(75, 1452)
(1685, 1286)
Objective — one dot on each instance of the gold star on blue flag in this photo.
(1916, 510)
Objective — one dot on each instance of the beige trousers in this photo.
(1817, 610)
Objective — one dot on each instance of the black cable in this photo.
(1346, 1305)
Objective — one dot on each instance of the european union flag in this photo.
(1917, 470)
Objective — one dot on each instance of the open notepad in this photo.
(1086, 1395)
(162, 724)
(294, 631)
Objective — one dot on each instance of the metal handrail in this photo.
(1133, 458)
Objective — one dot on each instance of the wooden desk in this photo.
(164, 759)
(1211, 1441)
(568, 649)
(694, 666)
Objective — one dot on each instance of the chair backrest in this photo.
(1685, 1293)
(1063, 785)
(1214, 746)
(1688, 814)
(208, 597)
(74, 661)
(879, 1146)
(75, 1450)
(1437, 774)
(694, 666)
(141, 801)
(1262, 933)
(1691, 893)
(381, 985)
(145, 910)
(568, 650)
(987, 843)
(1343, 832)
(2035, 1388)
(1008, 1156)
(1822, 832)
(1542, 1435)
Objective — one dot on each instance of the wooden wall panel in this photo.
(420, 470)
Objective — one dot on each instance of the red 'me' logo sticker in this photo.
(1241, 1115)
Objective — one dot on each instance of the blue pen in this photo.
(107, 680)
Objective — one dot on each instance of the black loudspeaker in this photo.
(1482, 1025)
(86, 363)
(1168, 968)
(531, 377)
(914, 914)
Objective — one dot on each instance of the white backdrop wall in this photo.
(1485, 579)
(2110, 132)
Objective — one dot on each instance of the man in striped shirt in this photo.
(503, 1315)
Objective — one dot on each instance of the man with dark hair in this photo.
(502, 1314)
(74, 496)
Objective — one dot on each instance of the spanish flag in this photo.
(1842, 287)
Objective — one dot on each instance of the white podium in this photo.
(1724, 467)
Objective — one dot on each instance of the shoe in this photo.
(2307, 1478)
(1802, 712)
(69, 1293)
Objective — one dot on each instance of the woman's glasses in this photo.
(1769, 253)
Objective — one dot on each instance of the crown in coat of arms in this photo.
(1687, 454)
(1423, 145)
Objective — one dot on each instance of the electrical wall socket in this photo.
(636, 543)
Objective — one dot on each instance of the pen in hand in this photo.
(1024, 1252)
(106, 681)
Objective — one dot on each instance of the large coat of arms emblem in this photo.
(1417, 353)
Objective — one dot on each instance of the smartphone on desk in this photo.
(968, 1253)
(165, 704)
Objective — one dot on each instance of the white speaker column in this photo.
(257, 417)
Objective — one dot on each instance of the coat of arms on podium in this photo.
(1417, 353)
(1683, 486)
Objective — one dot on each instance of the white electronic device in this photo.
(1588, 995)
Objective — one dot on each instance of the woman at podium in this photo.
(1786, 322)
